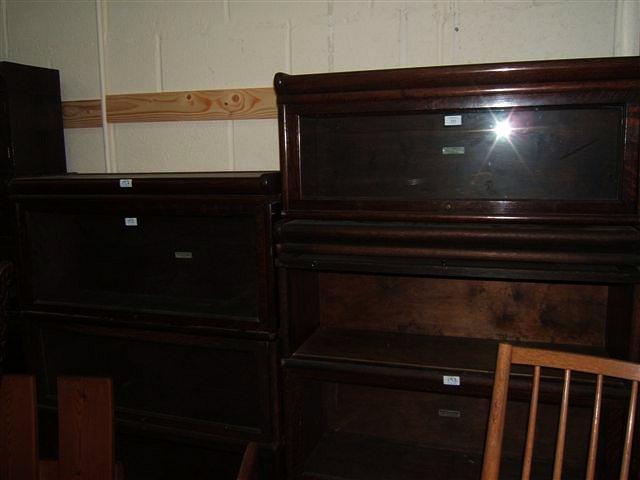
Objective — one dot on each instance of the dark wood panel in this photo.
(31, 140)
(449, 76)
(210, 183)
(535, 312)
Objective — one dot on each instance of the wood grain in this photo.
(85, 428)
(81, 114)
(518, 311)
(18, 428)
(236, 104)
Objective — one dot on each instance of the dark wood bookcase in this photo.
(166, 284)
(429, 214)
(31, 135)
(31, 143)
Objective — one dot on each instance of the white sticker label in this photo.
(453, 150)
(452, 120)
(451, 380)
(126, 182)
(131, 221)
(184, 255)
(449, 413)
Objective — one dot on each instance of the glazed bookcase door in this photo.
(201, 263)
(192, 384)
(539, 141)
(566, 154)
(535, 157)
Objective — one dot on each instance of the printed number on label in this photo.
(451, 380)
(452, 120)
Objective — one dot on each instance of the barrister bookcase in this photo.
(429, 214)
(166, 284)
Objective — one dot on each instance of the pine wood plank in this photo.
(81, 114)
(85, 424)
(18, 428)
(237, 104)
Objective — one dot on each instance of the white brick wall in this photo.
(184, 45)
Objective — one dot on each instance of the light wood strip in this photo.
(562, 427)
(574, 361)
(85, 428)
(531, 427)
(595, 430)
(628, 438)
(231, 104)
(81, 114)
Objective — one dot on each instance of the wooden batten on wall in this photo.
(231, 104)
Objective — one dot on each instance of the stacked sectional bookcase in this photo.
(430, 213)
(164, 282)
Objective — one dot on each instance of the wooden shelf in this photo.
(400, 350)
(420, 361)
(352, 456)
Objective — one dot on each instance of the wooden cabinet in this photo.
(31, 134)
(430, 214)
(176, 249)
(526, 142)
(165, 283)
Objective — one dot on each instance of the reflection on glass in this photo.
(502, 129)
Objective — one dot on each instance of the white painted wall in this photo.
(184, 45)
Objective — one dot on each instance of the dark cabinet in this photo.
(31, 133)
(449, 143)
(429, 214)
(149, 253)
(166, 284)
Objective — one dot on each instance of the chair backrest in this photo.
(568, 362)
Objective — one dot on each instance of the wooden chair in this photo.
(569, 362)
(249, 465)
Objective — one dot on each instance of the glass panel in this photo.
(145, 458)
(203, 265)
(521, 154)
(189, 381)
(359, 432)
